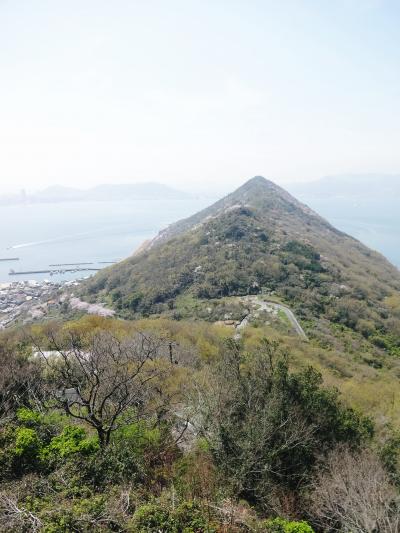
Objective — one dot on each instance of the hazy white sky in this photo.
(189, 93)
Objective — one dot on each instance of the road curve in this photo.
(265, 304)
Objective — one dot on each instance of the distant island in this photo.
(350, 185)
(106, 192)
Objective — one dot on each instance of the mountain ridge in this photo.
(248, 193)
(260, 240)
(105, 192)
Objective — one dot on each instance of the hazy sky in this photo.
(189, 92)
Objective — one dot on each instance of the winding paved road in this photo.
(266, 305)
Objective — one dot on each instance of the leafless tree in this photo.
(107, 382)
(352, 492)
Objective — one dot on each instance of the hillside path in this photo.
(265, 305)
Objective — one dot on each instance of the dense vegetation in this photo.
(259, 240)
(169, 426)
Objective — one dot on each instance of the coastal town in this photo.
(25, 301)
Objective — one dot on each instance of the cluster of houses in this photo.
(23, 300)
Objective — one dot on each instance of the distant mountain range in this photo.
(350, 185)
(105, 192)
(362, 186)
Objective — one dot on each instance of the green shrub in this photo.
(27, 417)
(188, 517)
(22, 455)
(138, 436)
(279, 525)
(126, 457)
(48, 424)
(81, 515)
(72, 440)
(34, 447)
(149, 518)
(27, 444)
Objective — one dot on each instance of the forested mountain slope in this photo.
(260, 239)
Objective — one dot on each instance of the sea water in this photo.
(373, 221)
(81, 232)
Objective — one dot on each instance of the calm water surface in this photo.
(375, 222)
(45, 234)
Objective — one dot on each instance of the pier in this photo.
(70, 264)
(52, 272)
(9, 258)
